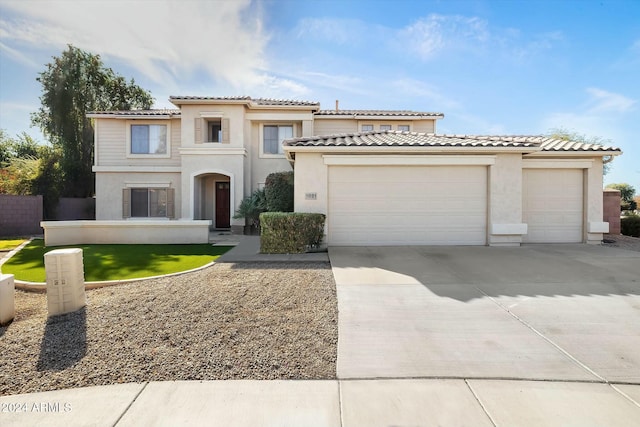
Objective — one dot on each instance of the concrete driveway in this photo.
(543, 312)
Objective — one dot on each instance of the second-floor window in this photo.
(403, 128)
(214, 129)
(148, 139)
(367, 128)
(273, 137)
(385, 127)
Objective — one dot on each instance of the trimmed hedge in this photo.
(278, 191)
(630, 225)
(290, 232)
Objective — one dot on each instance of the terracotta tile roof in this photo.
(378, 113)
(413, 139)
(248, 99)
(151, 113)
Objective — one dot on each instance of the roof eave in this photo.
(404, 148)
(133, 116)
(575, 153)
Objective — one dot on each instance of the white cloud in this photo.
(435, 33)
(408, 87)
(603, 101)
(18, 56)
(166, 42)
(339, 31)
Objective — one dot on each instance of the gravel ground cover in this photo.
(623, 242)
(228, 321)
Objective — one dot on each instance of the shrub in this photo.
(251, 207)
(630, 225)
(290, 233)
(278, 191)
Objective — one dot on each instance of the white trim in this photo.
(508, 229)
(215, 149)
(211, 114)
(597, 227)
(557, 163)
(129, 184)
(285, 117)
(135, 116)
(138, 169)
(583, 153)
(282, 155)
(399, 160)
(130, 155)
(406, 149)
(95, 142)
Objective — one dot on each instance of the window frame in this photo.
(132, 123)
(362, 127)
(385, 126)
(279, 155)
(408, 128)
(128, 204)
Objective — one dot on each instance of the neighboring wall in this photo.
(20, 215)
(75, 208)
(611, 213)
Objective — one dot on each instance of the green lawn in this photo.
(7, 245)
(116, 262)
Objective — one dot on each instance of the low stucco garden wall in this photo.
(58, 233)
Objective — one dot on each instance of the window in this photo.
(148, 139)
(367, 128)
(273, 137)
(385, 127)
(214, 129)
(147, 203)
(403, 128)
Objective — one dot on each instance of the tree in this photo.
(627, 193)
(29, 168)
(566, 135)
(74, 84)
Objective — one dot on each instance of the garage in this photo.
(407, 205)
(552, 205)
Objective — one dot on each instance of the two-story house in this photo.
(381, 177)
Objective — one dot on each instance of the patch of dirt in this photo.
(621, 241)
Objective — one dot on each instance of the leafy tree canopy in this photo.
(627, 195)
(74, 84)
(567, 135)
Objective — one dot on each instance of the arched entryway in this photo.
(212, 199)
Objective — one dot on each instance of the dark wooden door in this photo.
(222, 205)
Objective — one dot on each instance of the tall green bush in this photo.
(278, 191)
(630, 225)
(290, 232)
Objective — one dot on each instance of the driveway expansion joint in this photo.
(541, 335)
(477, 398)
(131, 403)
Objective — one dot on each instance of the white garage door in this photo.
(552, 205)
(407, 205)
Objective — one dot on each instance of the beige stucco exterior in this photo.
(193, 166)
(505, 225)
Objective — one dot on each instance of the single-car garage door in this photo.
(552, 205)
(407, 205)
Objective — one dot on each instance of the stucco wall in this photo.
(505, 200)
(109, 190)
(111, 149)
(123, 232)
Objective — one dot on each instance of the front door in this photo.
(222, 205)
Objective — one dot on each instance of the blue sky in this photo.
(492, 67)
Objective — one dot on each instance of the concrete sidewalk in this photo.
(247, 249)
(424, 402)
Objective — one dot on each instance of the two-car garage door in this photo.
(407, 205)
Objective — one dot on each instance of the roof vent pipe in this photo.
(337, 104)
